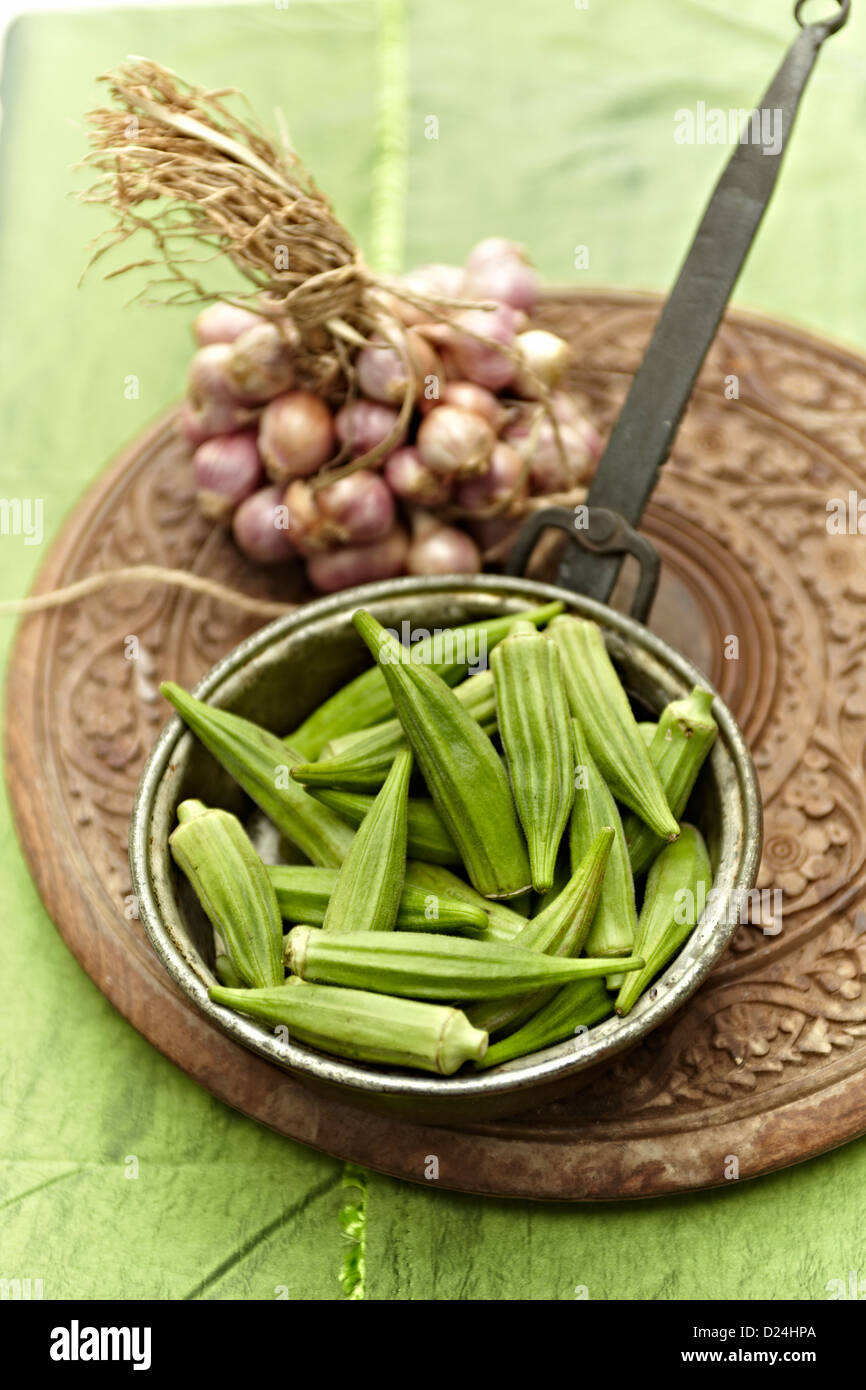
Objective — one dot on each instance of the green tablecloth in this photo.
(555, 127)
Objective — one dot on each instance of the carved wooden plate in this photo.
(767, 1064)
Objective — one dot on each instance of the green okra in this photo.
(366, 896)
(366, 700)
(416, 965)
(362, 1026)
(360, 762)
(213, 850)
(464, 776)
(573, 1007)
(534, 725)
(599, 702)
(615, 921)
(561, 875)
(427, 836)
(303, 892)
(561, 931)
(647, 729)
(677, 886)
(503, 923)
(681, 741)
(260, 763)
(225, 971)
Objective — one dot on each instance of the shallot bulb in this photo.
(211, 419)
(549, 472)
(304, 519)
(466, 395)
(227, 470)
(499, 269)
(261, 364)
(354, 510)
(260, 527)
(409, 477)
(503, 480)
(545, 358)
(482, 362)
(444, 281)
(296, 435)
(208, 376)
(439, 281)
(332, 570)
(438, 549)
(384, 376)
(495, 534)
(223, 323)
(455, 441)
(493, 248)
(212, 406)
(363, 425)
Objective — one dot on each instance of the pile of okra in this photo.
(496, 860)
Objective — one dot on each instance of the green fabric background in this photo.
(555, 127)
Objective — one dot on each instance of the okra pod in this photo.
(534, 725)
(561, 930)
(366, 896)
(503, 923)
(599, 702)
(231, 883)
(615, 921)
(464, 776)
(303, 892)
(680, 744)
(366, 700)
(225, 971)
(677, 885)
(575, 1006)
(427, 836)
(561, 875)
(363, 760)
(260, 763)
(362, 1026)
(415, 965)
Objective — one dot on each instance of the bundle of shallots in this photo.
(367, 425)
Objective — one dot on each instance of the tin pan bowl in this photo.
(284, 671)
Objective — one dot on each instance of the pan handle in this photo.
(648, 422)
(607, 533)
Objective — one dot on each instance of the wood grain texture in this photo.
(766, 1063)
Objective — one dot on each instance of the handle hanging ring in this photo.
(830, 26)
